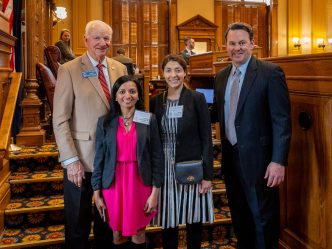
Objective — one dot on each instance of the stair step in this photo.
(28, 237)
(55, 202)
(34, 204)
(35, 152)
(219, 244)
(221, 216)
(216, 164)
(218, 187)
(39, 236)
(30, 177)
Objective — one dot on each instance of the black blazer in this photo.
(150, 154)
(262, 121)
(193, 139)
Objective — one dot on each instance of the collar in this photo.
(242, 68)
(188, 50)
(95, 63)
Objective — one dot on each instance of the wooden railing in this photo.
(5, 134)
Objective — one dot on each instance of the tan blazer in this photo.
(78, 103)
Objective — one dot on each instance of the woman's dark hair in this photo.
(240, 26)
(62, 32)
(177, 58)
(115, 107)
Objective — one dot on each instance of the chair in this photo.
(53, 57)
(48, 82)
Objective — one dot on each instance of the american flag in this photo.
(7, 9)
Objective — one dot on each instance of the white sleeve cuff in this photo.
(70, 160)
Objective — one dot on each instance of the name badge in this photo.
(175, 111)
(142, 117)
(88, 74)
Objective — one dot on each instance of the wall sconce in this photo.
(329, 41)
(296, 42)
(59, 14)
(305, 40)
(320, 43)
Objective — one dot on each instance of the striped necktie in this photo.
(103, 82)
(234, 97)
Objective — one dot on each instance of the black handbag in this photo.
(189, 172)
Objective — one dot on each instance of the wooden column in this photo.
(273, 20)
(173, 22)
(31, 133)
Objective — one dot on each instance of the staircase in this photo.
(35, 218)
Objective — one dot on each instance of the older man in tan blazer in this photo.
(81, 96)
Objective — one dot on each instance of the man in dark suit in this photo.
(253, 107)
(128, 62)
(188, 50)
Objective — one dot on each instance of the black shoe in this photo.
(138, 246)
(126, 245)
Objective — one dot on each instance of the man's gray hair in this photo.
(92, 24)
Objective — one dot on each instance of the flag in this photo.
(7, 9)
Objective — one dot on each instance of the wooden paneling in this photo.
(200, 29)
(173, 34)
(306, 196)
(81, 16)
(8, 95)
(141, 28)
(255, 14)
(6, 43)
(273, 20)
(4, 191)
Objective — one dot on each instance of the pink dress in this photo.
(126, 197)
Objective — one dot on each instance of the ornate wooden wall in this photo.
(141, 27)
(306, 196)
(255, 14)
(200, 29)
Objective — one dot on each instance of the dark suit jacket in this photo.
(193, 138)
(150, 154)
(262, 122)
(185, 54)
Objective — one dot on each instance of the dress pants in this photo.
(194, 237)
(78, 216)
(254, 207)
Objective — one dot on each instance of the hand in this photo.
(99, 202)
(75, 173)
(205, 186)
(152, 201)
(275, 174)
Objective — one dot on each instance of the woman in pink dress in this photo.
(128, 166)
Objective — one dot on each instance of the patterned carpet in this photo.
(34, 217)
(35, 151)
